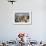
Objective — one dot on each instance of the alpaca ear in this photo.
(19, 35)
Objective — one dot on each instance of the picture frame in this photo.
(23, 17)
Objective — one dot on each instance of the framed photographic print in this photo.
(23, 17)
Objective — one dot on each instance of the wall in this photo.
(9, 31)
